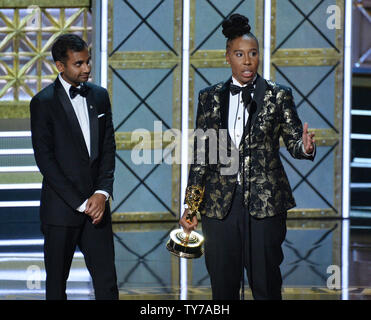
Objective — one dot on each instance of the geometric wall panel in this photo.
(144, 81)
(307, 56)
(26, 36)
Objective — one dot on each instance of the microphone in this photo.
(250, 105)
(246, 95)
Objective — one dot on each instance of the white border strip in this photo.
(346, 149)
(362, 160)
(104, 41)
(11, 152)
(19, 169)
(345, 260)
(21, 242)
(75, 275)
(361, 185)
(15, 134)
(347, 107)
(19, 204)
(360, 165)
(185, 116)
(267, 40)
(19, 186)
(366, 113)
(31, 292)
(360, 136)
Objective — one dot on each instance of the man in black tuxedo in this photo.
(74, 147)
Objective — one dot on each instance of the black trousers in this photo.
(263, 252)
(95, 243)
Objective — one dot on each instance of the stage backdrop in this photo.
(144, 82)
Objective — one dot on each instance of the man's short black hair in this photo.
(64, 43)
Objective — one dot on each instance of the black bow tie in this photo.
(237, 89)
(246, 91)
(83, 91)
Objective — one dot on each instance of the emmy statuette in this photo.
(182, 244)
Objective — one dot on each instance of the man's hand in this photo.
(188, 226)
(308, 140)
(95, 207)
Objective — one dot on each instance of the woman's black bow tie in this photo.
(237, 89)
(246, 92)
(83, 91)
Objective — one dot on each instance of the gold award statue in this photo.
(186, 245)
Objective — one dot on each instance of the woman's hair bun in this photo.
(235, 26)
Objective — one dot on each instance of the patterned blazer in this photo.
(267, 191)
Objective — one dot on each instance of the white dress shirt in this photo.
(80, 107)
(235, 118)
(81, 110)
(235, 115)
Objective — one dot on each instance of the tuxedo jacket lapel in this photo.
(93, 122)
(258, 98)
(224, 103)
(224, 112)
(62, 96)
